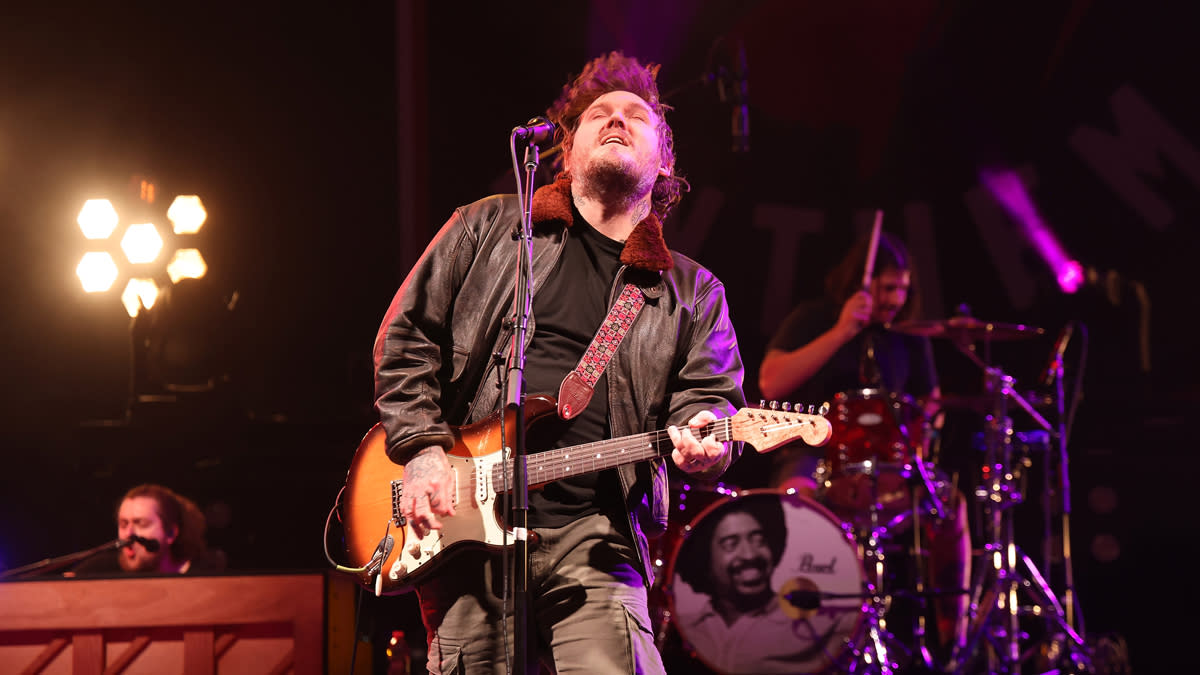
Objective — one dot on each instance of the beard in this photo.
(608, 179)
(141, 563)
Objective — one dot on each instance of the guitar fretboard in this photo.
(548, 466)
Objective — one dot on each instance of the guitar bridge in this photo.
(397, 490)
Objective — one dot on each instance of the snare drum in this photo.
(876, 437)
(767, 581)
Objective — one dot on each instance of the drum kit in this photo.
(834, 580)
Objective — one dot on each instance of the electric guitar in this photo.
(389, 558)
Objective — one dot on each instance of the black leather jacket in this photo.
(440, 351)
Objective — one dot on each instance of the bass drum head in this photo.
(767, 581)
(688, 500)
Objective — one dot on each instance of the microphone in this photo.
(535, 131)
(804, 599)
(150, 545)
(1060, 346)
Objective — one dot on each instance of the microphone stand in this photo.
(52, 564)
(523, 307)
(1060, 433)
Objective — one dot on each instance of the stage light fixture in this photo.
(139, 294)
(187, 214)
(1008, 188)
(142, 243)
(179, 328)
(97, 271)
(186, 264)
(97, 219)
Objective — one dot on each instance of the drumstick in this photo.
(869, 270)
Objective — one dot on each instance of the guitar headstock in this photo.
(772, 425)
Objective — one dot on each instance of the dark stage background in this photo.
(329, 144)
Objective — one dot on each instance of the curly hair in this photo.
(845, 279)
(616, 72)
(694, 561)
(175, 510)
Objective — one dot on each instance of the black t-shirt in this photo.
(904, 362)
(568, 310)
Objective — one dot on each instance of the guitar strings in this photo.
(558, 461)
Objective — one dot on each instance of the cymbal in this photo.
(985, 403)
(967, 329)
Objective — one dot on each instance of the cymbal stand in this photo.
(995, 635)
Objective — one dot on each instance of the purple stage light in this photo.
(1009, 190)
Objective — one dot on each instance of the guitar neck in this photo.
(548, 466)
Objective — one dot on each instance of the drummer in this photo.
(841, 342)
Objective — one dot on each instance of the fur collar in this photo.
(645, 249)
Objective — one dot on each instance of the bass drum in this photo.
(688, 500)
(765, 581)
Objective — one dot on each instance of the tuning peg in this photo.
(787, 407)
(824, 409)
(762, 403)
(774, 405)
(811, 409)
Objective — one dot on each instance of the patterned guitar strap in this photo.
(577, 387)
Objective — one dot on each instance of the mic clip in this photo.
(535, 131)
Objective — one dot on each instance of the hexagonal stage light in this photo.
(186, 264)
(187, 214)
(139, 294)
(142, 243)
(97, 219)
(96, 271)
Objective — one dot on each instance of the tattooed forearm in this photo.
(423, 464)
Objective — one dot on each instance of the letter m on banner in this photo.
(1142, 139)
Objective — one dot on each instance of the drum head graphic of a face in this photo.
(767, 582)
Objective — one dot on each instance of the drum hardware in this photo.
(967, 329)
(882, 653)
(876, 458)
(876, 478)
(991, 631)
(924, 498)
(876, 657)
(982, 403)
